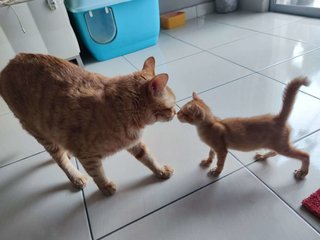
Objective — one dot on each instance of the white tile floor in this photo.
(239, 63)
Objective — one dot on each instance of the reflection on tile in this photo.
(277, 172)
(255, 21)
(113, 67)
(236, 207)
(256, 95)
(4, 109)
(15, 143)
(38, 202)
(139, 192)
(167, 50)
(261, 51)
(199, 73)
(206, 33)
(305, 30)
(305, 65)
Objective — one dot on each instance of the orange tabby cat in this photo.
(246, 134)
(72, 111)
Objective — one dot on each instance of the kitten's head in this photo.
(161, 99)
(194, 111)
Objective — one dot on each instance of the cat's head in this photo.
(161, 99)
(194, 111)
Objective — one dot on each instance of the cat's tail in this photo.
(289, 96)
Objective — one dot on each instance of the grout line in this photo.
(8, 164)
(245, 166)
(85, 205)
(218, 86)
(309, 134)
(276, 80)
(166, 205)
(130, 62)
(193, 54)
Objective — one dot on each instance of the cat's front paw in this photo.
(108, 188)
(165, 172)
(79, 181)
(259, 157)
(215, 172)
(300, 174)
(205, 163)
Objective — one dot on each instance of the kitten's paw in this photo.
(259, 157)
(80, 181)
(205, 163)
(214, 172)
(108, 189)
(165, 172)
(300, 174)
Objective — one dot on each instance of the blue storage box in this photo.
(111, 28)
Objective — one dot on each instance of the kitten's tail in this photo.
(289, 96)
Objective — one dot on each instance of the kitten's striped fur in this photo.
(247, 134)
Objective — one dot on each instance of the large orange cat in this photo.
(246, 134)
(72, 111)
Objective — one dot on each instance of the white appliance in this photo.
(36, 26)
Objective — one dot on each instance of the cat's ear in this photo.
(195, 96)
(149, 65)
(158, 83)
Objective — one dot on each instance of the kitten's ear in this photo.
(149, 65)
(195, 96)
(158, 83)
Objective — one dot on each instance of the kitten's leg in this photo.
(260, 157)
(93, 166)
(61, 157)
(221, 154)
(297, 154)
(208, 161)
(141, 152)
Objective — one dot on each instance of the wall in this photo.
(172, 5)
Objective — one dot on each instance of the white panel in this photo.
(30, 41)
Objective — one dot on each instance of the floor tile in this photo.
(305, 30)
(206, 33)
(236, 207)
(261, 51)
(254, 20)
(110, 68)
(15, 143)
(305, 65)
(4, 109)
(168, 49)
(277, 172)
(139, 192)
(200, 72)
(256, 95)
(38, 202)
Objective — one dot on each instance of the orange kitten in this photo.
(72, 111)
(246, 134)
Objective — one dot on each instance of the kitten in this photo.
(246, 134)
(72, 111)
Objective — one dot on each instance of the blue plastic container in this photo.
(111, 28)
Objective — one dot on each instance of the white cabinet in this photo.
(46, 31)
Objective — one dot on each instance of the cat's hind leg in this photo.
(61, 157)
(141, 153)
(261, 157)
(292, 152)
(207, 162)
(93, 166)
